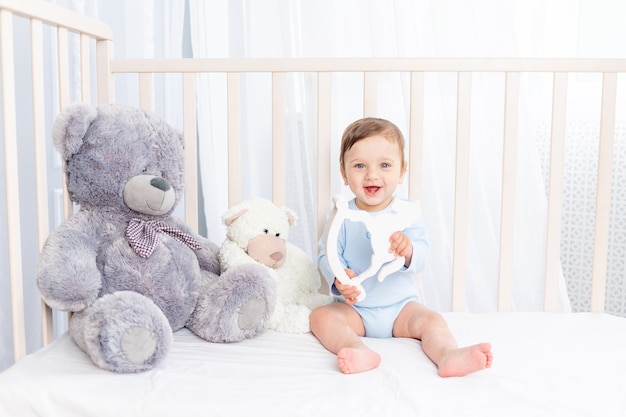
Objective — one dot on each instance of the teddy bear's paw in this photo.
(237, 305)
(138, 345)
(123, 332)
(250, 314)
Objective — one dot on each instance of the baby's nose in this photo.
(371, 173)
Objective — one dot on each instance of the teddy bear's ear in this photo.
(70, 127)
(228, 220)
(291, 216)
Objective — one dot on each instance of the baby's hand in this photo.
(350, 292)
(401, 246)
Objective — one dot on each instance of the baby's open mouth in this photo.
(371, 190)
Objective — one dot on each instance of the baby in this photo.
(372, 164)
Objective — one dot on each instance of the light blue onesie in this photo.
(384, 300)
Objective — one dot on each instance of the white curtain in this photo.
(274, 28)
(454, 28)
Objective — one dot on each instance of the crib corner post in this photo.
(106, 86)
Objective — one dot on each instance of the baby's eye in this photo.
(359, 166)
(385, 165)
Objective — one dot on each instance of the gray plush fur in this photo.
(120, 162)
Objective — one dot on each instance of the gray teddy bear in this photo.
(133, 273)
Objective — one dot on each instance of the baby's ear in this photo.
(70, 127)
(405, 166)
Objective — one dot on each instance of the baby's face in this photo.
(373, 168)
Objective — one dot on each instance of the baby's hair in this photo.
(370, 126)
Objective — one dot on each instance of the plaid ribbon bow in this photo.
(142, 236)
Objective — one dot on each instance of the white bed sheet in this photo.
(545, 365)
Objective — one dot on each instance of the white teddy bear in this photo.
(257, 231)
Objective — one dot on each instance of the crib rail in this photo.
(105, 71)
(417, 67)
(243, 65)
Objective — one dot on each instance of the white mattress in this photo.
(544, 365)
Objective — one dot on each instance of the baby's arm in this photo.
(324, 268)
(350, 292)
(401, 245)
(418, 236)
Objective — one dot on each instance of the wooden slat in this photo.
(324, 109)
(603, 196)
(461, 191)
(146, 101)
(416, 145)
(105, 85)
(63, 68)
(40, 149)
(14, 233)
(555, 193)
(370, 94)
(190, 132)
(509, 178)
(38, 96)
(416, 136)
(234, 137)
(64, 99)
(279, 160)
(85, 69)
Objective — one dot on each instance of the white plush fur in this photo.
(297, 279)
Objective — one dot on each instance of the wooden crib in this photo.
(546, 363)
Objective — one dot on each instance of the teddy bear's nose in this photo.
(276, 256)
(160, 183)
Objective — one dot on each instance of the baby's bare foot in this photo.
(466, 360)
(354, 360)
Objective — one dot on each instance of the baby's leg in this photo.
(338, 327)
(352, 360)
(463, 361)
(418, 322)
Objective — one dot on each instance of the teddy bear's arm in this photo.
(208, 254)
(232, 255)
(67, 276)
